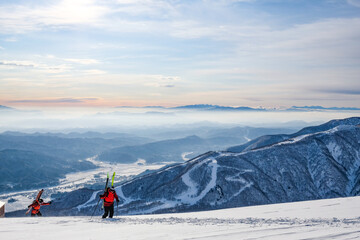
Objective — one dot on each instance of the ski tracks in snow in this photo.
(87, 204)
(237, 178)
(193, 194)
(190, 196)
(121, 195)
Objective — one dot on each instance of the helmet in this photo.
(112, 188)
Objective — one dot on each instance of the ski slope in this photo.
(321, 219)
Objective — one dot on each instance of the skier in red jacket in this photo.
(36, 207)
(109, 197)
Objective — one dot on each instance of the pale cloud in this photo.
(94, 72)
(48, 56)
(109, 14)
(282, 55)
(155, 94)
(19, 63)
(225, 71)
(25, 18)
(152, 16)
(56, 100)
(190, 29)
(217, 50)
(161, 81)
(327, 33)
(11, 39)
(73, 12)
(51, 64)
(355, 3)
(9, 64)
(96, 79)
(149, 16)
(227, 1)
(85, 61)
(152, 8)
(342, 90)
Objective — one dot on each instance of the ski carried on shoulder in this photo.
(36, 199)
(112, 185)
(112, 180)
(106, 185)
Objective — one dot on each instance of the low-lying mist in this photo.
(136, 120)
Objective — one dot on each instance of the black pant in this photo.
(38, 213)
(107, 210)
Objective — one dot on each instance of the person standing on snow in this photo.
(109, 197)
(36, 207)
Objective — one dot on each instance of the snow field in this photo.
(321, 219)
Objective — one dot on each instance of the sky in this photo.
(108, 53)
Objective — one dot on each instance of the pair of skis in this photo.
(36, 199)
(106, 186)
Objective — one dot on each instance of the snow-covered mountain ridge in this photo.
(314, 166)
(318, 164)
(267, 140)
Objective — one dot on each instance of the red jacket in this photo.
(36, 206)
(109, 197)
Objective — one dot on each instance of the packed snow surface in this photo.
(321, 219)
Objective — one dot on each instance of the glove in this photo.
(117, 200)
(102, 195)
(50, 202)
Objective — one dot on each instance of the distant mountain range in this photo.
(209, 107)
(23, 169)
(177, 150)
(204, 107)
(6, 108)
(68, 151)
(129, 138)
(38, 160)
(313, 108)
(314, 163)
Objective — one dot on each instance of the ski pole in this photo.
(95, 208)
(117, 208)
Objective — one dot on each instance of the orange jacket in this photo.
(36, 206)
(109, 197)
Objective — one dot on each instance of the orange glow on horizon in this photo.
(83, 102)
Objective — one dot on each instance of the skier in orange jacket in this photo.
(36, 207)
(109, 197)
